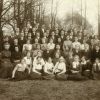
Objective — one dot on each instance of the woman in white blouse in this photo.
(60, 69)
(37, 69)
(28, 60)
(51, 45)
(27, 47)
(48, 69)
(21, 71)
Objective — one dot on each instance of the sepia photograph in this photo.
(49, 49)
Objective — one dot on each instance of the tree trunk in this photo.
(1, 9)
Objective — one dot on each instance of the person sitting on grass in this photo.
(86, 68)
(60, 69)
(96, 68)
(75, 70)
(48, 69)
(21, 71)
(37, 69)
(43, 45)
(28, 60)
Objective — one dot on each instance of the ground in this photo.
(49, 90)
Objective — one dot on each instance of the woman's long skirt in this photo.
(6, 69)
(96, 75)
(76, 77)
(88, 74)
(48, 76)
(61, 76)
(34, 76)
(21, 75)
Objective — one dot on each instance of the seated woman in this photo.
(38, 49)
(86, 52)
(36, 42)
(44, 44)
(96, 69)
(21, 71)
(75, 70)
(37, 69)
(58, 50)
(96, 53)
(86, 68)
(48, 69)
(51, 45)
(56, 58)
(48, 53)
(27, 47)
(77, 51)
(16, 56)
(60, 69)
(6, 66)
(28, 60)
(59, 42)
(14, 44)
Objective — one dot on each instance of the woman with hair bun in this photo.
(5, 62)
(60, 69)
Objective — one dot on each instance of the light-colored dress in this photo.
(60, 71)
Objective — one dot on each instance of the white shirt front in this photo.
(74, 44)
(60, 66)
(48, 66)
(75, 64)
(51, 46)
(28, 61)
(21, 67)
(27, 47)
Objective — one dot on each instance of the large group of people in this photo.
(50, 54)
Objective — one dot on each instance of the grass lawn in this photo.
(49, 90)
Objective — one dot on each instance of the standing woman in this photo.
(60, 69)
(6, 65)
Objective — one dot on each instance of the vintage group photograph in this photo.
(49, 49)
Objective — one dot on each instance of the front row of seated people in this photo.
(40, 69)
(37, 67)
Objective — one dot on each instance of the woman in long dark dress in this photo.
(75, 70)
(6, 65)
(96, 69)
(16, 56)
